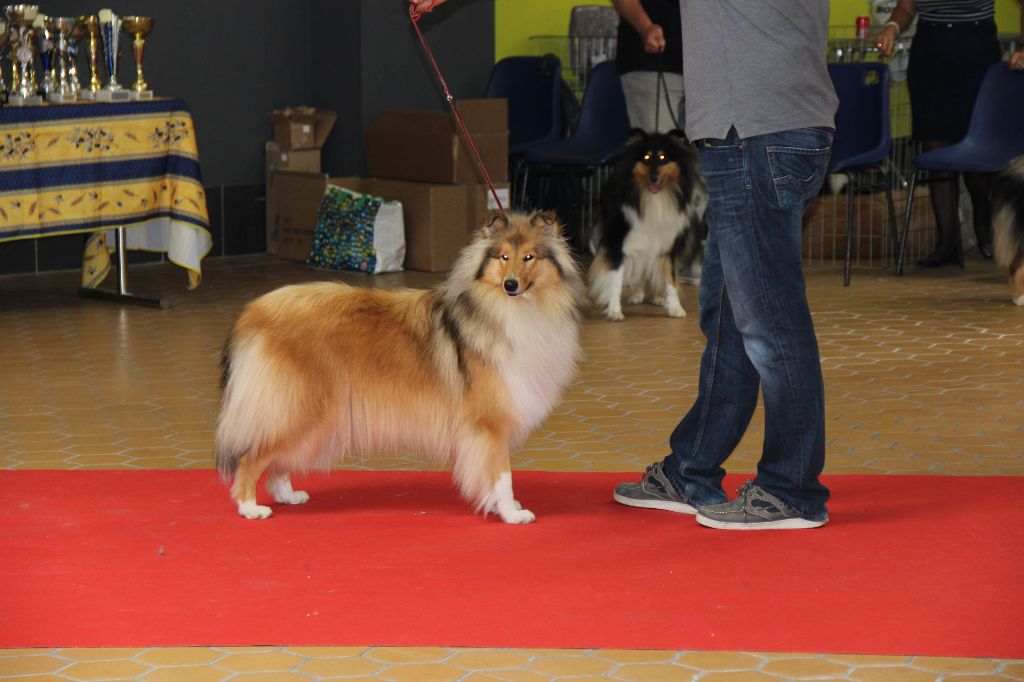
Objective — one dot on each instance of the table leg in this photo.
(122, 295)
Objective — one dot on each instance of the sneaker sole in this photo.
(664, 505)
(782, 524)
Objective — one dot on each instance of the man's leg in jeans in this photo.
(758, 189)
(728, 383)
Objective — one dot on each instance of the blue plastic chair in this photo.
(863, 138)
(533, 88)
(995, 136)
(599, 137)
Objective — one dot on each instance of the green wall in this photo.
(516, 20)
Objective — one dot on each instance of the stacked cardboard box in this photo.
(294, 183)
(415, 157)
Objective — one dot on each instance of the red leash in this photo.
(458, 117)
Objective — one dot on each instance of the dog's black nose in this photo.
(511, 285)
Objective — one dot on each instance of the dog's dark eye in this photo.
(528, 257)
(647, 157)
(661, 157)
(504, 256)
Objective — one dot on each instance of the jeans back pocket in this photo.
(798, 172)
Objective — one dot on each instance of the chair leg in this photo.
(891, 207)
(906, 222)
(850, 191)
(959, 230)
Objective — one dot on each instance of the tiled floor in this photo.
(924, 374)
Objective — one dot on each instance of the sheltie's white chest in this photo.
(537, 365)
(653, 229)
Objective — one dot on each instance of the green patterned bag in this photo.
(358, 232)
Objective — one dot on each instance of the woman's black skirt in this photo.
(947, 63)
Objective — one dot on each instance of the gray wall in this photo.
(233, 61)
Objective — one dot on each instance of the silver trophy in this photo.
(64, 89)
(23, 90)
(3, 46)
(43, 32)
(78, 32)
(110, 33)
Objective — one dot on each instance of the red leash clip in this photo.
(458, 117)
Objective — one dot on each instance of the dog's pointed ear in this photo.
(493, 221)
(636, 136)
(548, 221)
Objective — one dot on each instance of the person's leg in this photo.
(691, 474)
(758, 236)
(944, 195)
(728, 383)
(672, 113)
(641, 91)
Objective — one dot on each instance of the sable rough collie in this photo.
(1008, 224)
(463, 372)
(652, 219)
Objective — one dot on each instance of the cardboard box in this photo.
(293, 202)
(439, 218)
(426, 146)
(301, 161)
(301, 127)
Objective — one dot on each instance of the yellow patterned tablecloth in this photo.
(91, 167)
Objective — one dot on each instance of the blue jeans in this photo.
(754, 313)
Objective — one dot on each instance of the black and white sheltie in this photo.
(1008, 224)
(652, 220)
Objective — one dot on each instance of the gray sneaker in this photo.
(754, 509)
(654, 491)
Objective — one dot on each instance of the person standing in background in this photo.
(955, 43)
(649, 57)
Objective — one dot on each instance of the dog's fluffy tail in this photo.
(1008, 215)
(259, 407)
(1007, 235)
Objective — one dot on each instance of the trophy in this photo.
(91, 25)
(74, 39)
(110, 32)
(21, 18)
(3, 44)
(139, 27)
(63, 90)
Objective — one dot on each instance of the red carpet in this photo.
(909, 565)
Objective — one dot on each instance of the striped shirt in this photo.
(955, 11)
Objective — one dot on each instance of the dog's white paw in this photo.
(614, 315)
(251, 510)
(280, 488)
(676, 311)
(636, 298)
(293, 497)
(1019, 300)
(519, 516)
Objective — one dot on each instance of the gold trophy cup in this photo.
(92, 29)
(139, 28)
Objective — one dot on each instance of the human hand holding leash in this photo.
(654, 39)
(418, 8)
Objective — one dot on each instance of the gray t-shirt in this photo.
(758, 65)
